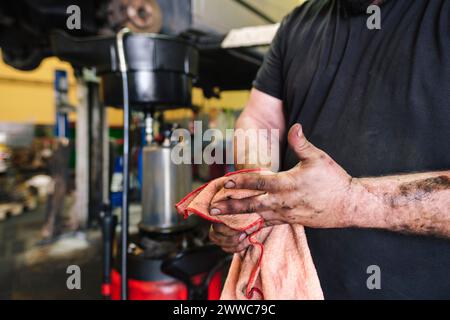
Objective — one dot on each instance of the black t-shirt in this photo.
(378, 102)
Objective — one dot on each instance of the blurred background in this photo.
(66, 147)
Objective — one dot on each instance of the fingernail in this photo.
(214, 211)
(230, 184)
(299, 131)
(242, 237)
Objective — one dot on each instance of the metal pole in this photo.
(126, 169)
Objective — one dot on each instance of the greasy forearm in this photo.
(413, 203)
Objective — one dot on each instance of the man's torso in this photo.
(378, 102)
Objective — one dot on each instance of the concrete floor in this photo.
(32, 271)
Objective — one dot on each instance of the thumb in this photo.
(304, 149)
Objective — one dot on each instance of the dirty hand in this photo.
(229, 240)
(315, 193)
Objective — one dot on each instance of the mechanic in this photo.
(373, 183)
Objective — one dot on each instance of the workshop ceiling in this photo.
(221, 16)
(275, 9)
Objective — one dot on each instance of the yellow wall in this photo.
(234, 100)
(28, 97)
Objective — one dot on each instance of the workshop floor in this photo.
(32, 271)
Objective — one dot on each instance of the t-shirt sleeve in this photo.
(269, 78)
